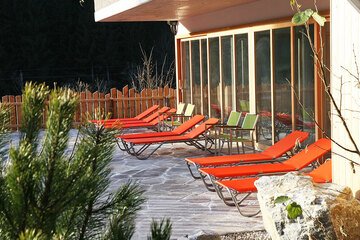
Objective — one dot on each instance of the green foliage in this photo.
(46, 193)
(161, 231)
(294, 210)
(281, 199)
(302, 17)
(319, 19)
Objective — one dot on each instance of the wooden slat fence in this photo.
(120, 104)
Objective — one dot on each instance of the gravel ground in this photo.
(254, 235)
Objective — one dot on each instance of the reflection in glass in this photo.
(195, 73)
(242, 72)
(282, 78)
(227, 73)
(186, 72)
(204, 75)
(263, 85)
(215, 86)
(327, 105)
(304, 84)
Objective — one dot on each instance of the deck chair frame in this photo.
(129, 145)
(315, 174)
(239, 159)
(320, 148)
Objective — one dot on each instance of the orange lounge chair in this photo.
(245, 187)
(272, 153)
(136, 118)
(295, 163)
(152, 124)
(148, 119)
(192, 138)
(176, 132)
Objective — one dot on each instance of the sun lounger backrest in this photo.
(323, 173)
(180, 108)
(309, 154)
(147, 112)
(189, 110)
(188, 124)
(234, 118)
(202, 128)
(156, 114)
(162, 117)
(286, 144)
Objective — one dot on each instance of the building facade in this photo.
(246, 55)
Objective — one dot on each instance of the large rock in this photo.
(323, 209)
(345, 216)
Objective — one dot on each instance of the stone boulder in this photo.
(329, 211)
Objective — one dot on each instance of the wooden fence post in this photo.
(132, 102)
(113, 96)
(125, 101)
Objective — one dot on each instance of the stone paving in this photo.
(172, 192)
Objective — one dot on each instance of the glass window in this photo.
(227, 73)
(242, 72)
(195, 73)
(282, 80)
(215, 86)
(304, 84)
(204, 76)
(263, 85)
(186, 91)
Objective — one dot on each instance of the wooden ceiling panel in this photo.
(162, 10)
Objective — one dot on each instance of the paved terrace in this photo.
(172, 192)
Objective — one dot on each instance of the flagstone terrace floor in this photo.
(172, 192)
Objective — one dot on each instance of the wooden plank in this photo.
(5, 99)
(161, 96)
(143, 101)
(113, 95)
(125, 92)
(149, 101)
(166, 96)
(89, 104)
(107, 107)
(101, 102)
(120, 105)
(18, 100)
(13, 116)
(137, 104)
(83, 108)
(132, 103)
(154, 97)
(172, 99)
(77, 112)
(95, 97)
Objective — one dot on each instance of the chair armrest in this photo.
(179, 115)
(242, 129)
(224, 126)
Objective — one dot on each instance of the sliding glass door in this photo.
(217, 77)
(263, 85)
(282, 82)
(304, 82)
(242, 73)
